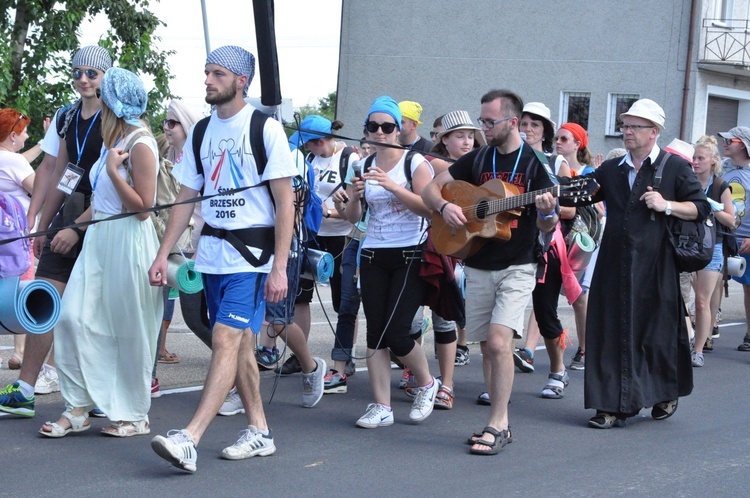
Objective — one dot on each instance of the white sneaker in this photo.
(251, 443)
(376, 415)
(47, 382)
(232, 405)
(424, 402)
(312, 384)
(177, 448)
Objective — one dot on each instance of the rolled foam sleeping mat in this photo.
(581, 249)
(460, 277)
(318, 265)
(182, 276)
(31, 306)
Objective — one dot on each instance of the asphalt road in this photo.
(701, 451)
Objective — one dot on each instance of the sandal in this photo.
(444, 398)
(127, 429)
(604, 420)
(168, 357)
(555, 388)
(484, 399)
(15, 361)
(77, 424)
(501, 439)
(478, 435)
(663, 410)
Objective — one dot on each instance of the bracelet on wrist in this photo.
(442, 208)
(547, 216)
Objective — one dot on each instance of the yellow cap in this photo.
(411, 110)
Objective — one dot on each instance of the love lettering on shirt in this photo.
(329, 176)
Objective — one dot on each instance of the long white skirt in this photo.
(105, 341)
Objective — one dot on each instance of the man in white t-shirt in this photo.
(236, 285)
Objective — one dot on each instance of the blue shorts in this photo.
(717, 262)
(236, 300)
(282, 313)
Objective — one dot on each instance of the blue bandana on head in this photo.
(388, 106)
(124, 94)
(236, 59)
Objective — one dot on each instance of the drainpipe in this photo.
(688, 68)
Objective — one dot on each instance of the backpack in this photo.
(261, 237)
(167, 189)
(693, 241)
(343, 163)
(313, 213)
(726, 234)
(14, 256)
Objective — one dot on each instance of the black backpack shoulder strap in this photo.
(407, 167)
(258, 146)
(309, 157)
(476, 170)
(368, 163)
(716, 188)
(344, 163)
(660, 171)
(199, 131)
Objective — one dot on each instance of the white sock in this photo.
(26, 389)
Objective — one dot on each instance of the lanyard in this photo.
(708, 185)
(102, 163)
(79, 146)
(518, 158)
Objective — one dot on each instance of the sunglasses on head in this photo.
(372, 127)
(20, 117)
(170, 123)
(91, 74)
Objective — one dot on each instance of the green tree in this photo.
(326, 107)
(39, 38)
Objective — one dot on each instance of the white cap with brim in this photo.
(647, 109)
(682, 149)
(741, 132)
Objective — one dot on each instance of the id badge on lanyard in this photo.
(73, 173)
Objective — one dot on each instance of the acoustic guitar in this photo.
(490, 209)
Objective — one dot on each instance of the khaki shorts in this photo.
(498, 297)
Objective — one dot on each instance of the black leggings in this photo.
(391, 290)
(545, 298)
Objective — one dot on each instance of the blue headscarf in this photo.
(388, 106)
(312, 124)
(124, 94)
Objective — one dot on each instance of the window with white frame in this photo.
(575, 108)
(617, 104)
(723, 10)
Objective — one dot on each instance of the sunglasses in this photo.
(91, 74)
(729, 141)
(433, 134)
(372, 127)
(170, 123)
(20, 117)
(562, 139)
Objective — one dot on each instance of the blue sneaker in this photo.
(13, 401)
(267, 358)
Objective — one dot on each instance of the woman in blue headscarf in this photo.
(389, 261)
(105, 341)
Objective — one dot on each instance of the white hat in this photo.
(682, 149)
(459, 120)
(647, 109)
(541, 110)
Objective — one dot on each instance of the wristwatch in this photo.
(668, 211)
(328, 213)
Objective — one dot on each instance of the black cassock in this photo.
(637, 348)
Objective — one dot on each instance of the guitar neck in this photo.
(508, 203)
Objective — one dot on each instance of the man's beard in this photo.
(500, 138)
(220, 97)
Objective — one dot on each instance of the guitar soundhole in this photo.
(482, 209)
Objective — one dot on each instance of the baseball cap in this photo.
(741, 132)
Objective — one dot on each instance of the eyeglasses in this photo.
(91, 74)
(433, 134)
(489, 123)
(372, 127)
(170, 123)
(627, 128)
(562, 139)
(728, 141)
(20, 117)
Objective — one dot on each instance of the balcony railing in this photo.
(726, 41)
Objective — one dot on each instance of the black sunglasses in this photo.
(170, 123)
(372, 127)
(91, 74)
(20, 117)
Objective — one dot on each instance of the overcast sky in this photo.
(307, 37)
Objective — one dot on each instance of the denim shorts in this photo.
(236, 300)
(717, 262)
